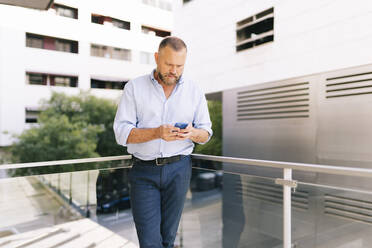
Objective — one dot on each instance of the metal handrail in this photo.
(329, 169)
(63, 162)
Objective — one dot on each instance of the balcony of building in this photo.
(232, 202)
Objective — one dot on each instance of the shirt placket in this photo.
(163, 117)
(164, 113)
(164, 121)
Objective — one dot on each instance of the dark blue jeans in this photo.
(157, 197)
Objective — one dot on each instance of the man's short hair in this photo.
(174, 42)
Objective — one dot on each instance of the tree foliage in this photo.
(70, 127)
(214, 146)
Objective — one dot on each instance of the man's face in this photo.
(170, 64)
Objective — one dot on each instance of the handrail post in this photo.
(87, 213)
(287, 214)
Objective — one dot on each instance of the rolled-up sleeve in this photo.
(201, 117)
(126, 117)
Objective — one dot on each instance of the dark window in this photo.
(105, 84)
(66, 11)
(121, 24)
(186, 1)
(155, 31)
(36, 78)
(66, 46)
(51, 43)
(52, 80)
(32, 115)
(34, 41)
(255, 30)
(99, 19)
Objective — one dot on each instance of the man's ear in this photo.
(156, 56)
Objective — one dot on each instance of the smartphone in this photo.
(181, 125)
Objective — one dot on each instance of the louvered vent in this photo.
(279, 102)
(348, 208)
(272, 194)
(349, 85)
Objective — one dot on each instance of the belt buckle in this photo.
(158, 163)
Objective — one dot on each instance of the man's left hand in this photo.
(186, 133)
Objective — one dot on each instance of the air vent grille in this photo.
(279, 102)
(348, 208)
(272, 194)
(349, 85)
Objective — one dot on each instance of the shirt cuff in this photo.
(123, 139)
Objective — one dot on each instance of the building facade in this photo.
(307, 37)
(92, 46)
(295, 79)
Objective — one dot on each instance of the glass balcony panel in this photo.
(226, 206)
(333, 217)
(32, 205)
(231, 209)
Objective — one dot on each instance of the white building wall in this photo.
(16, 59)
(1, 86)
(309, 37)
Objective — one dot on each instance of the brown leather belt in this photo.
(159, 161)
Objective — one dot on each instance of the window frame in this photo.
(258, 22)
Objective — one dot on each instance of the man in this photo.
(144, 122)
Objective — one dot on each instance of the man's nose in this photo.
(173, 70)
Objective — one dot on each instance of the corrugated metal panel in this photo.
(279, 102)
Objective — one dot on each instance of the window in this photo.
(50, 79)
(65, 11)
(186, 1)
(34, 41)
(155, 31)
(118, 53)
(121, 24)
(97, 19)
(63, 46)
(147, 58)
(51, 43)
(106, 84)
(106, 20)
(31, 115)
(64, 81)
(255, 30)
(110, 52)
(36, 79)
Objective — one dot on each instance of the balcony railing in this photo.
(232, 202)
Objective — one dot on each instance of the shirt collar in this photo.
(153, 79)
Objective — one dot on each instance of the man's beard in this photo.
(168, 82)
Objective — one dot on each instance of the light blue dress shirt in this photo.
(144, 105)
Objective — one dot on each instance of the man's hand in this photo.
(186, 133)
(168, 132)
(194, 134)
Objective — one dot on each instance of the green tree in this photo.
(91, 110)
(70, 127)
(56, 138)
(214, 146)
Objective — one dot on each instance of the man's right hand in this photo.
(168, 132)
